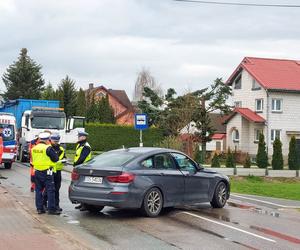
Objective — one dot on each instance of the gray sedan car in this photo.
(147, 178)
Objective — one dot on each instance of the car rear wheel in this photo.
(220, 196)
(7, 165)
(93, 209)
(153, 202)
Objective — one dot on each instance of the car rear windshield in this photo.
(112, 159)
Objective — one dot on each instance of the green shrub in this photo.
(262, 156)
(104, 137)
(198, 155)
(277, 158)
(247, 163)
(172, 142)
(215, 163)
(293, 157)
(230, 162)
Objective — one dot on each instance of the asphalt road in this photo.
(247, 222)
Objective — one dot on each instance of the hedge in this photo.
(104, 137)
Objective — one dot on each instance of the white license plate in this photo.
(91, 179)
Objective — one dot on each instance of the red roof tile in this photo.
(275, 74)
(247, 114)
(218, 136)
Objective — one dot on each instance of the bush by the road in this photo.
(230, 161)
(277, 158)
(104, 137)
(172, 142)
(215, 163)
(247, 163)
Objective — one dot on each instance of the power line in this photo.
(241, 4)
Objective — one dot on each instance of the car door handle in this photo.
(162, 174)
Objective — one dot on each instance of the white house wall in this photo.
(247, 96)
(287, 120)
(235, 122)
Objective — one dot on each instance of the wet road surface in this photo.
(247, 222)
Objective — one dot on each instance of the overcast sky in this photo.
(107, 42)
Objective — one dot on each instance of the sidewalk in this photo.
(21, 230)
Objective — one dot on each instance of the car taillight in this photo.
(74, 175)
(122, 178)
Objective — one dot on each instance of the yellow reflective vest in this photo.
(59, 166)
(40, 160)
(79, 149)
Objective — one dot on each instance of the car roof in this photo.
(146, 150)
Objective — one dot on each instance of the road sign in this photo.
(140, 121)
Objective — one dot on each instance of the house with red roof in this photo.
(123, 109)
(266, 96)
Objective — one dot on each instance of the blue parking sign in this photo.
(140, 121)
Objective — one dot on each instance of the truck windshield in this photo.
(8, 132)
(48, 122)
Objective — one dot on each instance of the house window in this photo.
(218, 146)
(100, 94)
(238, 82)
(259, 105)
(275, 133)
(238, 104)
(235, 135)
(257, 133)
(277, 105)
(255, 85)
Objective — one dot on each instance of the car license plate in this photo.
(91, 179)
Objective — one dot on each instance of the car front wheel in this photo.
(220, 196)
(153, 202)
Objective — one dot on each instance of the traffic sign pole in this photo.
(141, 138)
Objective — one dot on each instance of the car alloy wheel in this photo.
(222, 195)
(153, 202)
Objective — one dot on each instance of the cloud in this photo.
(108, 42)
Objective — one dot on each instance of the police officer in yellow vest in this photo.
(44, 159)
(83, 154)
(54, 139)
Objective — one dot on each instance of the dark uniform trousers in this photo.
(44, 182)
(57, 184)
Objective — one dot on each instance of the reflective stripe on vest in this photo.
(79, 150)
(59, 166)
(40, 160)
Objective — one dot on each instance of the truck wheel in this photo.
(7, 165)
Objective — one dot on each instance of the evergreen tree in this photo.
(67, 95)
(105, 111)
(277, 158)
(81, 105)
(262, 156)
(230, 162)
(293, 157)
(215, 163)
(49, 93)
(247, 163)
(92, 108)
(23, 78)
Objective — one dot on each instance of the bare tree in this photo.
(145, 79)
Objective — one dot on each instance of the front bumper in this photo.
(8, 157)
(114, 198)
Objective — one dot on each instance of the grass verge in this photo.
(287, 188)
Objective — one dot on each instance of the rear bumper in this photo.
(114, 198)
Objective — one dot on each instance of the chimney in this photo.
(91, 86)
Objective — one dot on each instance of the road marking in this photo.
(228, 226)
(262, 201)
